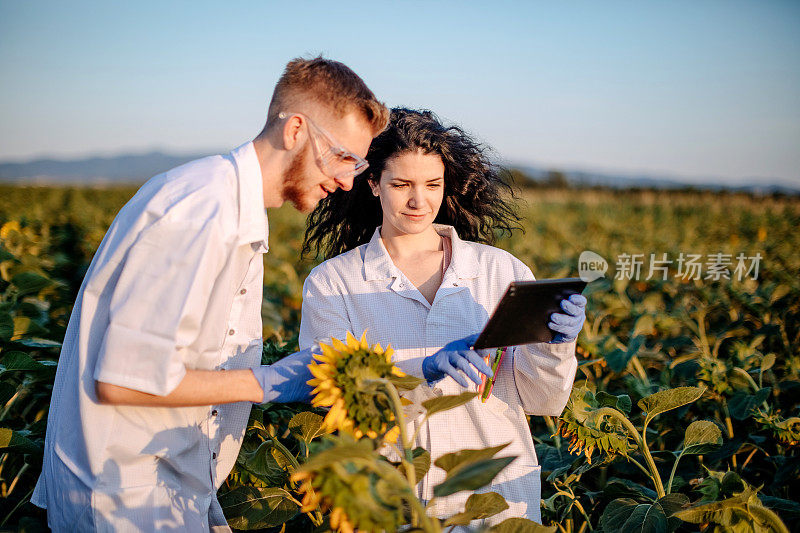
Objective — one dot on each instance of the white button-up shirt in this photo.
(176, 284)
(363, 290)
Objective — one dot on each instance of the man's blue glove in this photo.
(284, 381)
(567, 326)
(455, 356)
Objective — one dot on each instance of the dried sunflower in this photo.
(356, 484)
(345, 377)
(578, 424)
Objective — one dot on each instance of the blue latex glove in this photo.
(284, 381)
(568, 325)
(455, 356)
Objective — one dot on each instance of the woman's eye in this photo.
(398, 185)
(434, 185)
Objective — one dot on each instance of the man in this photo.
(160, 363)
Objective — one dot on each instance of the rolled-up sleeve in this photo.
(324, 314)
(157, 305)
(543, 373)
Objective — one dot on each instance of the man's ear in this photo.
(292, 132)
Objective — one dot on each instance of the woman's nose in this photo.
(414, 198)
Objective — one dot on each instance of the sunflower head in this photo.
(344, 480)
(345, 377)
(585, 432)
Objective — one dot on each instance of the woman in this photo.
(408, 264)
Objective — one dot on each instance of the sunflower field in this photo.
(685, 413)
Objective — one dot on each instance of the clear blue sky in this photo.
(686, 88)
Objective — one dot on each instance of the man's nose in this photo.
(345, 183)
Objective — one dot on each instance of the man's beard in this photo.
(295, 182)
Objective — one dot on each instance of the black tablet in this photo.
(522, 315)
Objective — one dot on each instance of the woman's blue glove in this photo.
(567, 326)
(455, 356)
(284, 381)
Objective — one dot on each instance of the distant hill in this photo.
(580, 178)
(127, 169)
(137, 168)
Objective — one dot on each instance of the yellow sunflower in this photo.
(344, 380)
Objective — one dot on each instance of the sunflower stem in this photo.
(293, 460)
(640, 441)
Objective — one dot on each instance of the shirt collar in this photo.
(378, 264)
(253, 225)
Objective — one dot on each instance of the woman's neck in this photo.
(410, 244)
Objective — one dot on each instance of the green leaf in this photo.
(625, 515)
(17, 441)
(340, 452)
(521, 525)
(21, 361)
(262, 464)
(743, 405)
(767, 362)
(732, 483)
(788, 509)
(621, 403)
(618, 359)
(723, 512)
(306, 426)
(478, 506)
(471, 476)
(258, 508)
(421, 459)
(30, 283)
(443, 403)
(450, 461)
(24, 325)
(671, 504)
(702, 436)
(39, 343)
(669, 399)
(405, 383)
(6, 326)
(625, 488)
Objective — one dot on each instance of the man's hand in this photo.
(455, 356)
(568, 325)
(285, 380)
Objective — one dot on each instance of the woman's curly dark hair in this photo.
(477, 202)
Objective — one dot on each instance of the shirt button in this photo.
(214, 455)
(243, 291)
(214, 412)
(455, 284)
(231, 331)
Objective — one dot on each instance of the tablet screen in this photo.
(522, 315)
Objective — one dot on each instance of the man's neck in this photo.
(271, 162)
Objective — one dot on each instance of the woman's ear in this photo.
(375, 187)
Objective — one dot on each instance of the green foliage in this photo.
(740, 340)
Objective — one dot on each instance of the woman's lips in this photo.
(415, 217)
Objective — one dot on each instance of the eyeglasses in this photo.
(335, 154)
